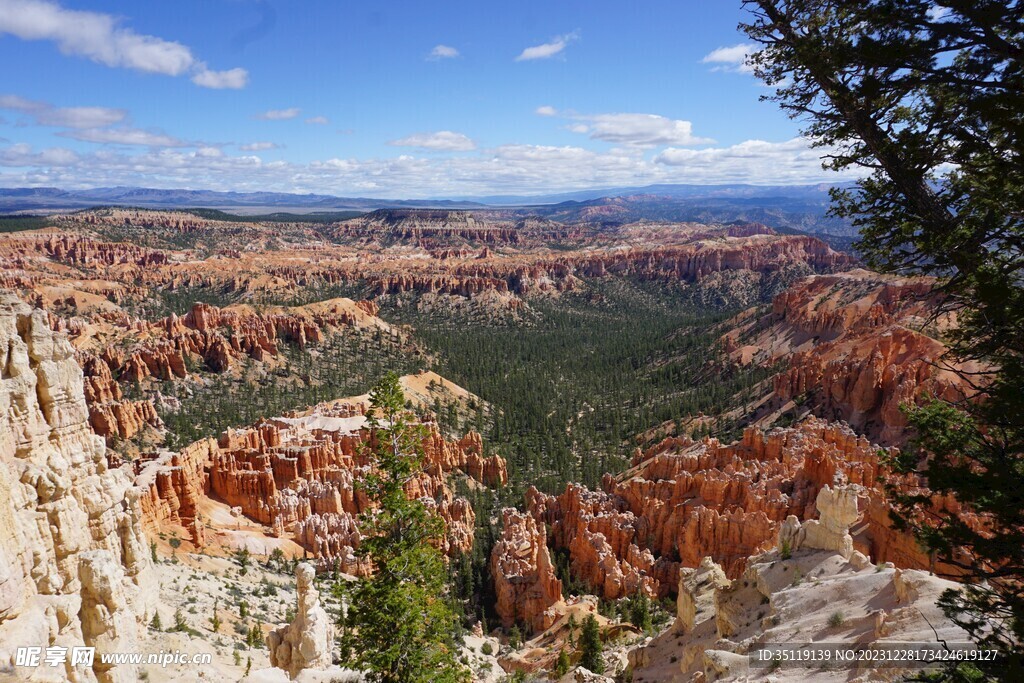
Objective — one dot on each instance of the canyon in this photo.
(119, 322)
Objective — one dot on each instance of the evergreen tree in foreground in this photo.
(925, 97)
(400, 628)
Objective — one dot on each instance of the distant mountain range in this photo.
(22, 199)
(805, 192)
(799, 207)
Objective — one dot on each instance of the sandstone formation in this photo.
(857, 346)
(837, 509)
(433, 229)
(217, 337)
(697, 588)
(308, 641)
(110, 414)
(524, 578)
(81, 251)
(685, 500)
(298, 476)
(449, 254)
(73, 560)
(803, 591)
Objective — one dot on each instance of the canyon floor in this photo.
(699, 414)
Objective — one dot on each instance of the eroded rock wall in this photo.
(856, 347)
(73, 559)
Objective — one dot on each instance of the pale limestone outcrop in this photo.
(73, 561)
(837, 510)
(108, 621)
(697, 593)
(581, 675)
(307, 642)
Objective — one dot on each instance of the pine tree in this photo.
(215, 620)
(562, 664)
(255, 636)
(590, 645)
(155, 623)
(400, 625)
(640, 611)
(515, 637)
(179, 620)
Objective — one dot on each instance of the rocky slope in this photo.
(73, 561)
(436, 229)
(855, 347)
(117, 349)
(812, 586)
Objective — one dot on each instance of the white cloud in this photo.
(938, 13)
(443, 52)
(318, 120)
(258, 146)
(279, 114)
(441, 141)
(549, 49)
(632, 130)
(90, 124)
(100, 38)
(641, 130)
(778, 162)
(22, 156)
(126, 136)
(232, 79)
(546, 110)
(81, 117)
(46, 114)
(732, 58)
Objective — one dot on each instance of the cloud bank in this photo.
(732, 58)
(512, 169)
(279, 114)
(634, 130)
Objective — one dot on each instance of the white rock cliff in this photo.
(73, 560)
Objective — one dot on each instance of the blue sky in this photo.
(395, 99)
